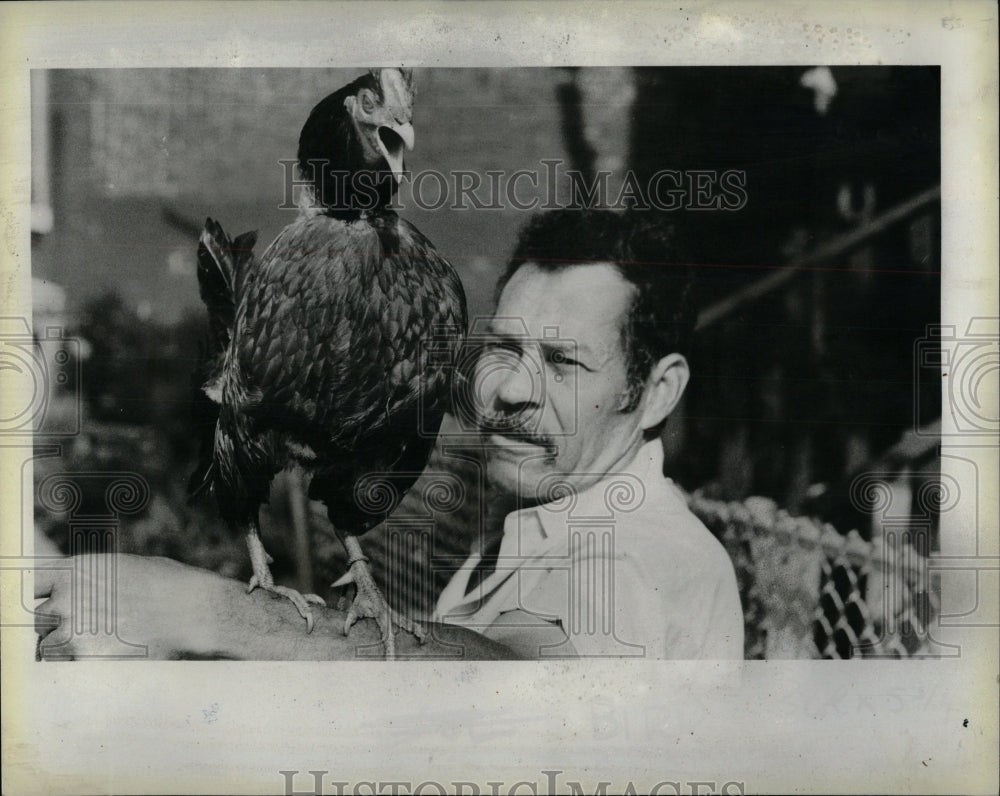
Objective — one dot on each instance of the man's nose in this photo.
(511, 381)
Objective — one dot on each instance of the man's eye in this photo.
(502, 346)
(560, 358)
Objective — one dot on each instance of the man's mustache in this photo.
(513, 426)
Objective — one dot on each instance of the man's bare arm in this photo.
(182, 612)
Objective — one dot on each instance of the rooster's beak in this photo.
(392, 141)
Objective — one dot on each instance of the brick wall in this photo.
(128, 145)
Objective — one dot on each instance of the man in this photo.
(583, 363)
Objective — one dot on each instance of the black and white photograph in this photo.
(380, 416)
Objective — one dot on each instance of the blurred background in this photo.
(813, 296)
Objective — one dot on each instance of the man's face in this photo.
(551, 379)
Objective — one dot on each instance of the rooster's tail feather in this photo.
(221, 262)
(221, 265)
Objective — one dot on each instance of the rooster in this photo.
(321, 345)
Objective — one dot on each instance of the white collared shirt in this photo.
(623, 566)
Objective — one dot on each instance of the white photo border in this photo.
(792, 727)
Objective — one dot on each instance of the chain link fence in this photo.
(811, 592)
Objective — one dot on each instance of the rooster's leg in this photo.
(370, 603)
(262, 578)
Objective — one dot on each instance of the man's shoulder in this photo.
(665, 507)
(642, 521)
(663, 532)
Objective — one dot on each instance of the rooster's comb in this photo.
(406, 74)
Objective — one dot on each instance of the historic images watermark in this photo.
(319, 782)
(549, 186)
(35, 368)
(968, 362)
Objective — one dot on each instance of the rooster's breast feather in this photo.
(332, 331)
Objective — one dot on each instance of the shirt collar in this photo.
(542, 529)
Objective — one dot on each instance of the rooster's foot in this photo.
(262, 579)
(302, 602)
(370, 604)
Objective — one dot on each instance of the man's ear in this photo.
(664, 389)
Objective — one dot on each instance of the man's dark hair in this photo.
(648, 254)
